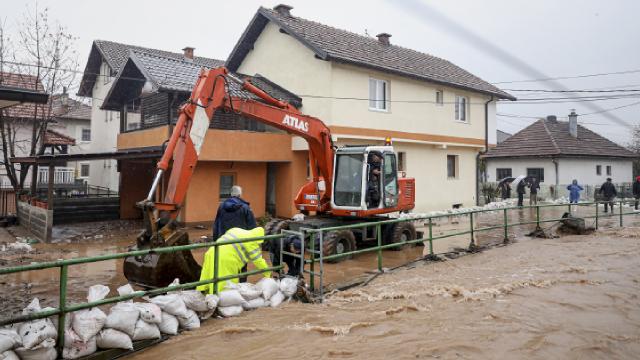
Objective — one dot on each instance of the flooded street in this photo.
(575, 297)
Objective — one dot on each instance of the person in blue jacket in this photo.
(574, 192)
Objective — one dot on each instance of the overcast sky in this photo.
(555, 38)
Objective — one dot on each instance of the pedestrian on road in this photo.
(636, 192)
(574, 192)
(608, 192)
(521, 189)
(234, 213)
(505, 190)
(534, 186)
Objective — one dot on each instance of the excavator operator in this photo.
(373, 183)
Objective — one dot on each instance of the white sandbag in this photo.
(145, 330)
(194, 300)
(36, 331)
(149, 312)
(189, 322)
(9, 355)
(212, 301)
(171, 304)
(9, 339)
(87, 323)
(70, 337)
(46, 350)
(254, 304)
(169, 324)
(248, 291)
(230, 298)
(123, 317)
(126, 289)
(228, 311)
(79, 349)
(288, 286)
(205, 315)
(277, 299)
(113, 339)
(268, 286)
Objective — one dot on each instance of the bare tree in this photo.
(635, 147)
(44, 50)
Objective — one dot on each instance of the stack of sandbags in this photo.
(148, 322)
(9, 340)
(120, 324)
(245, 296)
(173, 304)
(37, 337)
(80, 338)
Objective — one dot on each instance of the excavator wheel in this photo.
(274, 227)
(399, 233)
(160, 269)
(338, 242)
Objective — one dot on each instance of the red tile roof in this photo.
(55, 138)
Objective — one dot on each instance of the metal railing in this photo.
(63, 265)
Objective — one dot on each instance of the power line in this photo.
(569, 77)
(572, 91)
(611, 109)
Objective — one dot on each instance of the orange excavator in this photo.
(338, 193)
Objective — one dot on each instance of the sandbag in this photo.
(145, 330)
(249, 291)
(212, 301)
(230, 298)
(113, 339)
(123, 317)
(254, 304)
(46, 350)
(125, 289)
(189, 322)
(35, 332)
(87, 323)
(276, 299)
(149, 312)
(79, 349)
(9, 355)
(169, 324)
(205, 315)
(70, 337)
(171, 304)
(268, 286)
(194, 300)
(288, 286)
(228, 311)
(9, 339)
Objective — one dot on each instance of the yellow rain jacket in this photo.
(233, 257)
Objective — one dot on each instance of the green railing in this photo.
(63, 265)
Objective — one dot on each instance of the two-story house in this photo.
(439, 115)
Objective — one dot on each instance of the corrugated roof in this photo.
(339, 45)
(551, 138)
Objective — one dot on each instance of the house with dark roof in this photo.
(556, 152)
(366, 89)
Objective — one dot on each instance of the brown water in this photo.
(575, 297)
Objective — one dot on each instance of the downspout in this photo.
(555, 164)
(486, 148)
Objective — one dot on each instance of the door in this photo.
(390, 180)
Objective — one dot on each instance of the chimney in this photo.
(573, 123)
(188, 52)
(383, 38)
(283, 9)
(552, 118)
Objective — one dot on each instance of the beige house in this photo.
(438, 115)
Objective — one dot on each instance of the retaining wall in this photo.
(37, 220)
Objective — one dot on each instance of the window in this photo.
(347, 188)
(598, 169)
(503, 173)
(402, 161)
(608, 170)
(538, 173)
(86, 135)
(439, 97)
(390, 181)
(133, 125)
(452, 166)
(84, 170)
(226, 182)
(105, 73)
(378, 95)
(462, 104)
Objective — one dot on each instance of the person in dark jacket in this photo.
(636, 191)
(534, 186)
(505, 190)
(234, 213)
(290, 244)
(373, 184)
(608, 192)
(521, 189)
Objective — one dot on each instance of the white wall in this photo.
(519, 167)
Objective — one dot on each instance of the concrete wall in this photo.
(35, 219)
(519, 167)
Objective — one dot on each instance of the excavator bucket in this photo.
(160, 269)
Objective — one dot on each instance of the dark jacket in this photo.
(522, 187)
(636, 189)
(535, 186)
(233, 212)
(608, 190)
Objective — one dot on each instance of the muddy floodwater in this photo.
(575, 297)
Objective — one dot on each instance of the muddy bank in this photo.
(576, 297)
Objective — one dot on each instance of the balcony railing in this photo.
(61, 175)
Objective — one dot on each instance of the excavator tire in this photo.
(399, 233)
(274, 227)
(338, 242)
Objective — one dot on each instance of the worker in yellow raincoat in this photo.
(233, 257)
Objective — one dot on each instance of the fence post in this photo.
(430, 236)
(537, 216)
(379, 237)
(313, 260)
(621, 201)
(506, 226)
(472, 244)
(597, 211)
(63, 307)
(216, 260)
(321, 267)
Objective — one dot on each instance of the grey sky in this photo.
(558, 38)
